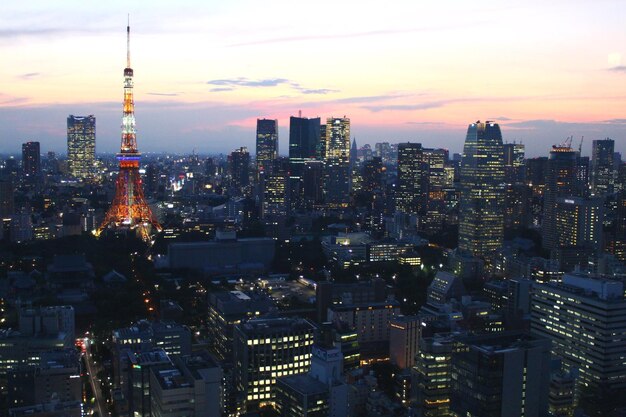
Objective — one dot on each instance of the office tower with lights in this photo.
(514, 163)
(31, 161)
(239, 166)
(267, 349)
(431, 374)
(481, 209)
(603, 167)
(585, 317)
(266, 144)
(275, 197)
(337, 158)
(561, 181)
(412, 178)
(579, 221)
(81, 145)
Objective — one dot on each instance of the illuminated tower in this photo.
(129, 209)
(481, 208)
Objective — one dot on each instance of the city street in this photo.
(100, 405)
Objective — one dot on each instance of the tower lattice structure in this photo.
(129, 209)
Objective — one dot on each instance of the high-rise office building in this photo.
(585, 319)
(561, 181)
(504, 374)
(579, 221)
(7, 199)
(337, 158)
(372, 175)
(239, 164)
(304, 146)
(411, 178)
(304, 141)
(514, 167)
(338, 139)
(481, 211)
(81, 145)
(404, 334)
(266, 144)
(603, 167)
(31, 161)
(275, 198)
(266, 349)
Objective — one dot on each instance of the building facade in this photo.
(81, 145)
(481, 211)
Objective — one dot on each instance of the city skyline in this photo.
(205, 73)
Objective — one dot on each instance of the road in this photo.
(101, 405)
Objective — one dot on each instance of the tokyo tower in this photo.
(129, 209)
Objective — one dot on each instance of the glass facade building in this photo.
(81, 145)
(481, 213)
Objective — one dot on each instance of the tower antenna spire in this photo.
(128, 42)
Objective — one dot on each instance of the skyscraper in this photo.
(337, 159)
(304, 146)
(411, 178)
(81, 145)
(31, 161)
(304, 139)
(266, 144)
(584, 317)
(514, 168)
(603, 167)
(481, 212)
(239, 165)
(561, 181)
(266, 349)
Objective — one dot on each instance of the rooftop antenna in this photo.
(128, 42)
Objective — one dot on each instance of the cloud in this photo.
(163, 94)
(408, 107)
(218, 89)
(229, 84)
(615, 121)
(245, 82)
(318, 91)
(619, 68)
(427, 123)
(29, 75)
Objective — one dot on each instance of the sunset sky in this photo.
(417, 71)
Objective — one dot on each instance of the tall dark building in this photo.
(239, 163)
(561, 181)
(514, 167)
(603, 167)
(31, 161)
(7, 199)
(304, 138)
(304, 146)
(81, 145)
(266, 144)
(411, 178)
(372, 174)
(504, 374)
(481, 212)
